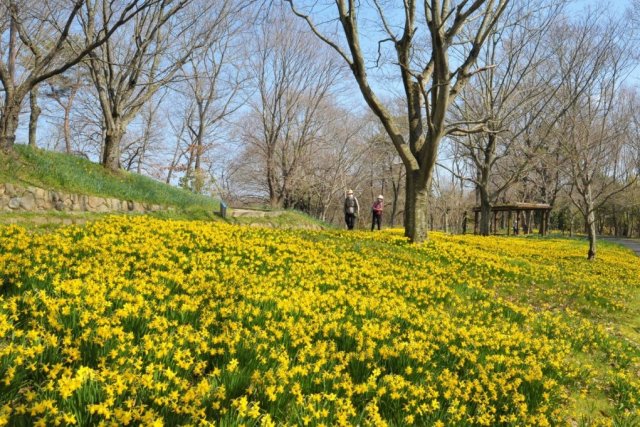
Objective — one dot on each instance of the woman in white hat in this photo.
(377, 208)
(351, 209)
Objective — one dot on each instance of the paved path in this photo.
(632, 244)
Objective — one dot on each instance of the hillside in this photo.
(74, 174)
(135, 320)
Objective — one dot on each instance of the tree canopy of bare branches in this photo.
(593, 135)
(144, 56)
(293, 83)
(431, 78)
(35, 45)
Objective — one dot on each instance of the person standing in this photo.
(376, 210)
(351, 209)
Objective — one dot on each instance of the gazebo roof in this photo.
(518, 206)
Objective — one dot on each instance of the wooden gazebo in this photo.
(524, 216)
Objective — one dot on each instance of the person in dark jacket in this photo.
(376, 212)
(351, 209)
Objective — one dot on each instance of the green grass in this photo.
(73, 174)
(288, 219)
(52, 219)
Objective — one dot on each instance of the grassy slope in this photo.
(74, 174)
(288, 219)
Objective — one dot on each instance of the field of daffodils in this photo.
(141, 321)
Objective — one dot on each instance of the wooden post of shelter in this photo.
(495, 222)
(509, 223)
(541, 229)
(544, 222)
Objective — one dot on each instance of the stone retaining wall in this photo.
(16, 198)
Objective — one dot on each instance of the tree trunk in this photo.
(395, 185)
(590, 221)
(174, 162)
(394, 203)
(571, 226)
(464, 223)
(282, 201)
(416, 213)
(35, 111)
(111, 153)
(67, 130)
(198, 181)
(271, 181)
(591, 231)
(485, 213)
(8, 125)
(446, 221)
(11, 108)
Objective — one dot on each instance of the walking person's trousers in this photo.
(376, 219)
(350, 219)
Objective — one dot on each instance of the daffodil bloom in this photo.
(141, 321)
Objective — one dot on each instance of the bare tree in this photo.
(34, 114)
(430, 82)
(63, 89)
(338, 160)
(86, 121)
(594, 130)
(294, 75)
(214, 79)
(633, 13)
(147, 54)
(450, 199)
(578, 50)
(142, 143)
(393, 178)
(511, 94)
(181, 147)
(41, 32)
